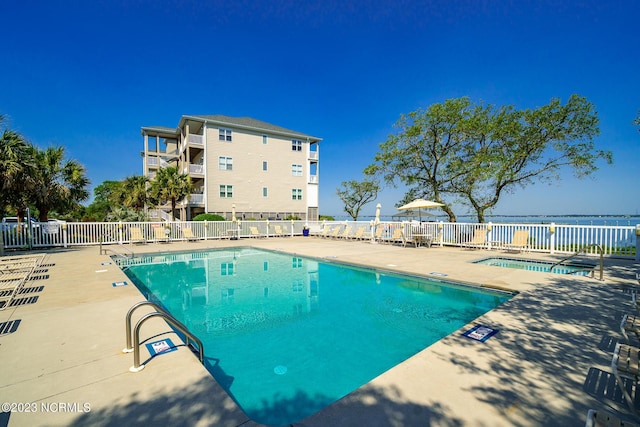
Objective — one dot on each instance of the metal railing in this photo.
(135, 336)
(103, 251)
(581, 251)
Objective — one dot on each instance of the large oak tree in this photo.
(475, 153)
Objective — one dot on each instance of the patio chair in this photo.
(479, 239)
(345, 233)
(396, 237)
(136, 235)
(358, 235)
(277, 231)
(336, 232)
(255, 233)
(325, 232)
(631, 324)
(160, 235)
(519, 242)
(12, 281)
(379, 235)
(187, 233)
(625, 363)
(604, 419)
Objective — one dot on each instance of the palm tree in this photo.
(170, 185)
(16, 166)
(59, 183)
(134, 192)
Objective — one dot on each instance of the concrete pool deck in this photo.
(548, 365)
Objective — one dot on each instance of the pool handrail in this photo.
(584, 248)
(160, 312)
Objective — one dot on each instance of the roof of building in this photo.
(233, 122)
(249, 123)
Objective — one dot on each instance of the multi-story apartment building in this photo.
(259, 170)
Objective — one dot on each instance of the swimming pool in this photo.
(286, 336)
(535, 265)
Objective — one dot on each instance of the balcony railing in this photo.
(313, 179)
(196, 199)
(196, 139)
(313, 155)
(155, 161)
(193, 169)
(196, 168)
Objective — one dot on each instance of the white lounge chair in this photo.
(479, 239)
(625, 363)
(520, 241)
(160, 235)
(187, 233)
(136, 235)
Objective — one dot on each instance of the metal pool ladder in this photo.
(160, 312)
(583, 249)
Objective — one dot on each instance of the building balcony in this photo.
(193, 169)
(313, 155)
(196, 139)
(313, 179)
(157, 162)
(196, 199)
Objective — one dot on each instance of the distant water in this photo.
(631, 220)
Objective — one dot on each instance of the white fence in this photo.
(615, 241)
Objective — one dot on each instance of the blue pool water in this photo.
(286, 336)
(534, 265)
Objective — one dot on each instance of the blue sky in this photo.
(88, 75)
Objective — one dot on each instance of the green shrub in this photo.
(208, 217)
(327, 218)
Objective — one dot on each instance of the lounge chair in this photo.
(630, 323)
(136, 235)
(324, 232)
(255, 233)
(396, 237)
(519, 242)
(604, 419)
(187, 233)
(160, 235)
(625, 363)
(336, 232)
(635, 301)
(479, 239)
(345, 233)
(277, 231)
(13, 277)
(358, 235)
(379, 234)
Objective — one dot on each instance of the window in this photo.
(224, 134)
(296, 194)
(297, 286)
(226, 269)
(225, 163)
(296, 145)
(264, 139)
(264, 191)
(226, 191)
(264, 166)
(296, 170)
